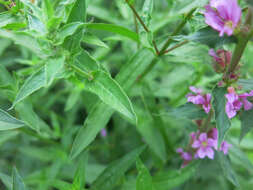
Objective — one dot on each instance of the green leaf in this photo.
(85, 62)
(144, 179)
(222, 120)
(188, 110)
(249, 2)
(210, 37)
(36, 25)
(227, 169)
(94, 40)
(17, 182)
(7, 181)
(241, 158)
(5, 78)
(114, 29)
(48, 8)
(72, 99)
(247, 122)
(26, 40)
(149, 131)
(52, 68)
(246, 84)
(111, 93)
(32, 84)
(8, 122)
(147, 10)
(111, 175)
(31, 119)
(67, 30)
(92, 126)
(7, 18)
(77, 14)
(169, 179)
(35, 9)
(79, 179)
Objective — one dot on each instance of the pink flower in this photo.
(246, 104)
(224, 147)
(186, 156)
(204, 146)
(198, 98)
(235, 102)
(223, 15)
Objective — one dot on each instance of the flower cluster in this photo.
(198, 98)
(236, 101)
(203, 145)
(223, 15)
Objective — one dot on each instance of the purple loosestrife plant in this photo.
(223, 15)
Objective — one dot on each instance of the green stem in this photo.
(143, 24)
(176, 46)
(137, 16)
(243, 40)
(176, 31)
(81, 72)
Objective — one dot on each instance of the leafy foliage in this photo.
(90, 87)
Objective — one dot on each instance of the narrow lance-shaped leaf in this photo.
(17, 183)
(8, 122)
(92, 126)
(32, 84)
(246, 123)
(144, 179)
(227, 169)
(222, 120)
(5, 77)
(6, 180)
(26, 40)
(110, 92)
(94, 40)
(114, 29)
(111, 175)
(188, 110)
(35, 24)
(170, 179)
(77, 14)
(79, 179)
(67, 30)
